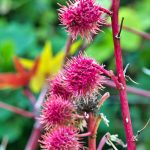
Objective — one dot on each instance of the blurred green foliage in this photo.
(25, 25)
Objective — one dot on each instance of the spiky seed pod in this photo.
(57, 87)
(61, 138)
(82, 76)
(56, 111)
(81, 17)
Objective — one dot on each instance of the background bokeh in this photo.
(25, 27)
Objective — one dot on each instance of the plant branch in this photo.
(134, 31)
(36, 131)
(40, 100)
(140, 33)
(107, 11)
(92, 138)
(129, 29)
(17, 110)
(119, 67)
(33, 140)
(84, 134)
(130, 89)
(113, 77)
(30, 96)
(97, 122)
(68, 46)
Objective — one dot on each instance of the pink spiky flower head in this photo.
(61, 138)
(81, 17)
(57, 87)
(56, 111)
(82, 76)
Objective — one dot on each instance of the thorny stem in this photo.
(119, 67)
(17, 110)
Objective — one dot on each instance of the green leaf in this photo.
(102, 47)
(129, 41)
(22, 36)
(143, 10)
(6, 55)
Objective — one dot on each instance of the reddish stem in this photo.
(92, 138)
(120, 74)
(32, 143)
(96, 125)
(112, 76)
(68, 46)
(17, 110)
(30, 96)
(108, 12)
(33, 140)
(84, 134)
